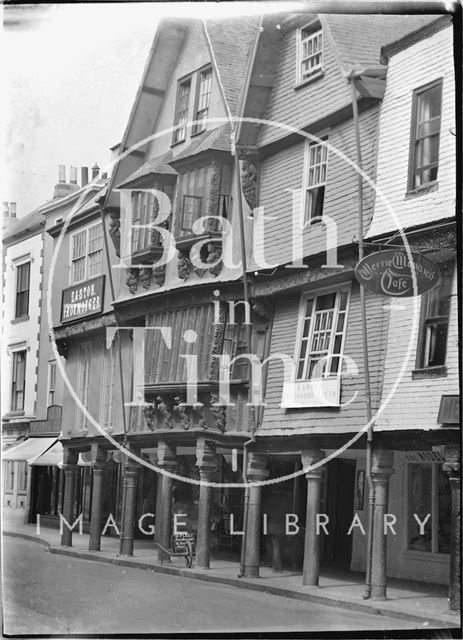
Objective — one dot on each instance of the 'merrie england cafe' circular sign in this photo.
(390, 273)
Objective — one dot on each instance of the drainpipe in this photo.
(369, 446)
(249, 344)
(121, 377)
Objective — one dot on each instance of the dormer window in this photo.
(310, 52)
(181, 110)
(203, 96)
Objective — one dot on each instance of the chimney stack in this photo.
(73, 175)
(64, 188)
(95, 171)
(6, 209)
(84, 175)
(12, 209)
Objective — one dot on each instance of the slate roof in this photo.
(154, 165)
(231, 41)
(33, 221)
(217, 139)
(358, 38)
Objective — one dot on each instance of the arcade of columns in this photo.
(382, 469)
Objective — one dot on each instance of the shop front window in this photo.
(428, 493)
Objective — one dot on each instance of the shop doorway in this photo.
(340, 491)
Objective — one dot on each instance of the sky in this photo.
(72, 74)
(70, 83)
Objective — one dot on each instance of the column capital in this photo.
(70, 457)
(310, 457)
(382, 467)
(166, 455)
(452, 465)
(98, 455)
(205, 455)
(257, 467)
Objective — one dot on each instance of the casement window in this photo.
(425, 135)
(22, 476)
(435, 313)
(316, 160)
(322, 334)
(310, 52)
(18, 380)
(51, 382)
(181, 110)
(428, 492)
(164, 364)
(145, 210)
(83, 382)
(192, 198)
(203, 97)
(8, 470)
(86, 253)
(108, 378)
(23, 276)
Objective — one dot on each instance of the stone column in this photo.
(311, 567)
(206, 462)
(453, 468)
(257, 472)
(129, 502)
(163, 522)
(70, 458)
(98, 463)
(381, 471)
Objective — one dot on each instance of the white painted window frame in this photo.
(344, 287)
(305, 178)
(316, 30)
(71, 242)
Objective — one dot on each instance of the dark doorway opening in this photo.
(340, 491)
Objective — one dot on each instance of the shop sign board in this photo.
(318, 392)
(83, 299)
(449, 410)
(390, 273)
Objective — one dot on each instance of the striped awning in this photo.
(29, 450)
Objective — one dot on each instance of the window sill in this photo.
(14, 414)
(313, 78)
(425, 556)
(176, 144)
(421, 191)
(20, 319)
(197, 133)
(430, 372)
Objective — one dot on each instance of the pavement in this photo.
(426, 604)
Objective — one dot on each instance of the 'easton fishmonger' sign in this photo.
(390, 273)
(83, 299)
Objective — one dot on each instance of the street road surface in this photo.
(45, 593)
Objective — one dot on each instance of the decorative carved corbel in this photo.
(249, 182)
(150, 412)
(145, 277)
(184, 266)
(132, 279)
(63, 348)
(182, 412)
(163, 408)
(215, 256)
(219, 413)
(114, 231)
(159, 275)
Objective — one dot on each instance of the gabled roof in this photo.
(230, 42)
(358, 38)
(31, 224)
(356, 41)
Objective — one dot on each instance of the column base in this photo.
(251, 572)
(94, 546)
